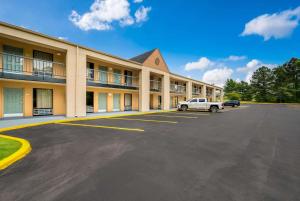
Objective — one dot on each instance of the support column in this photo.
(144, 90)
(222, 95)
(214, 98)
(166, 92)
(189, 90)
(71, 65)
(203, 91)
(75, 83)
(81, 84)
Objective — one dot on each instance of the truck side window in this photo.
(194, 101)
(201, 100)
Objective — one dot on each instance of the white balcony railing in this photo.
(155, 85)
(174, 88)
(110, 78)
(21, 66)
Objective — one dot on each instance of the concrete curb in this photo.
(19, 154)
(76, 119)
(26, 148)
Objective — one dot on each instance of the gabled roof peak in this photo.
(143, 57)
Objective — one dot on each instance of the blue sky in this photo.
(195, 37)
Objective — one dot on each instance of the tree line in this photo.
(280, 84)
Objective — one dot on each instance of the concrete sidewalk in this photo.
(9, 122)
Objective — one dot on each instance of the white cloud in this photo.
(277, 25)
(104, 13)
(62, 38)
(217, 76)
(235, 58)
(141, 15)
(201, 64)
(137, 1)
(252, 66)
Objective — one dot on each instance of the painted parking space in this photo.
(102, 126)
(71, 158)
(172, 116)
(143, 120)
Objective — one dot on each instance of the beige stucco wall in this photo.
(110, 93)
(59, 99)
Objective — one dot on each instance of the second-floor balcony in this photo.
(196, 91)
(111, 79)
(155, 85)
(179, 89)
(32, 69)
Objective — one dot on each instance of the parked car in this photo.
(199, 104)
(232, 103)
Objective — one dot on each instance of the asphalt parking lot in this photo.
(245, 154)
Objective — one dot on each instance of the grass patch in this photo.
(8, 147)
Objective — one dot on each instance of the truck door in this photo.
(201, 104)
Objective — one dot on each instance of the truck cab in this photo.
(199, 104)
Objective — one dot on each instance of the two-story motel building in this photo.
(42, 75)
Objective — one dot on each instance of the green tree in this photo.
(233, 96)
(292, 73)
(262, 83)
(281, 86)
(230, 86)
(245, 91)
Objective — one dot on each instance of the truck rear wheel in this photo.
(184, 107)
(214, 109)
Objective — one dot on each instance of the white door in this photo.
(13, 102)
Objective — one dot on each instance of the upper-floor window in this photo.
(42, 63)
(128, 77)
(117, 76)
(103, 74)
(12, 59)
(90, 71)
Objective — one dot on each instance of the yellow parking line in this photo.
(158, 115)
(193, 113)
(107, 127)
(147, 120)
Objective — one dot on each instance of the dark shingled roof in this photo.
(143, 57)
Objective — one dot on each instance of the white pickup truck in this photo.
(200, 104)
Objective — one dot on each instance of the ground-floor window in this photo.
(42, 101)
(128, 102)
(13, 102)
(89, 102)
(159, 102)
(116, 102)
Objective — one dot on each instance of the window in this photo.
(42, 63)
(12, 59)
(201, 100)
(128, 77)
(90, 71)
(42, 98)
(117, 77)
(42, 101)
(194, 100)
(103, 74)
